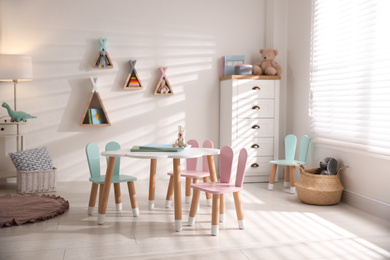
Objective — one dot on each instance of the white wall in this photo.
(366, 181)
(63, 38)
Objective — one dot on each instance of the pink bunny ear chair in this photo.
(219, 189)
(192, 173)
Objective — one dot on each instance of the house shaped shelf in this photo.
(163, 87)
(133, 81)
(103, 59)
(95, 113)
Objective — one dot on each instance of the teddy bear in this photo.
(268, 65)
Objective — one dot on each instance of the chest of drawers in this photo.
(249, 117)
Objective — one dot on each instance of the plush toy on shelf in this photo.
(181, 141)
(17, 116)
(268, 65)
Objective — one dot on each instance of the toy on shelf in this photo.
(268, 65)
(133, 81)
(163, 86)
(103, 59)
(181, 141)
(17, 116)
(328, 166)
(95, 113)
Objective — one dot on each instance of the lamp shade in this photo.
(15, 67)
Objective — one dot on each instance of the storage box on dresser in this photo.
(249, 117)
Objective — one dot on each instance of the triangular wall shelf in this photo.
(95, 114)
(163, 87)
(103, 60)
(133, 81)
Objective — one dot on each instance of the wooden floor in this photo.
(278, 226)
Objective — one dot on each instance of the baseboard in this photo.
(372, 206)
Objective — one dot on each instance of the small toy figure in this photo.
(328, 166)
(180, 142)
(163, 87)
(17, 116)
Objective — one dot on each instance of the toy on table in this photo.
(328, 166)
(17, 116)
(180, 142)
(268, 65)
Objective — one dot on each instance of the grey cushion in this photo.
(32, 160)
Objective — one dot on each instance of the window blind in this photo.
(350, 73)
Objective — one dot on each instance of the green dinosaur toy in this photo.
(17, 116)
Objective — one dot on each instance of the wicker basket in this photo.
(316, 189)
(36, 181)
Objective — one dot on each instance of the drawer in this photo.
(258, 166)
(7, 130)
(257, 146)
(255, 89)
(255, 108)
(255, 128)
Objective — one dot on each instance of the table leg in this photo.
(152, 182)
(177, 194)
(106, 190)
(213, 173)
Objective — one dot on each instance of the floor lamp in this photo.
(15, 68)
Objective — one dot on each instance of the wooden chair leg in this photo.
(92, 198)
(208, 195)
(168, 200)
(222, 213)
(133, 198)
(286, 176)
(215, 215)
(188, 190)
(101, 187)
(118, 198)
(272, 177)
(292, 180)
(194, 207)
(239, 210)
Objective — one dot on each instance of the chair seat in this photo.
(286, 162)
(216, 187)
(115, 179)
(192, 174)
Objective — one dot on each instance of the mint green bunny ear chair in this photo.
(93, 159)
(290, 144)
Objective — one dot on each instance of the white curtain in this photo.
(350, 73)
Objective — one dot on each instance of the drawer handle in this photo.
(255, 146)
(255, 127)
(255, 107)
(2, 129)
(255, 88)
(254, 165)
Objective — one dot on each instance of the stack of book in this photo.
(229, 62)
(158, 148)
(96, 116)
